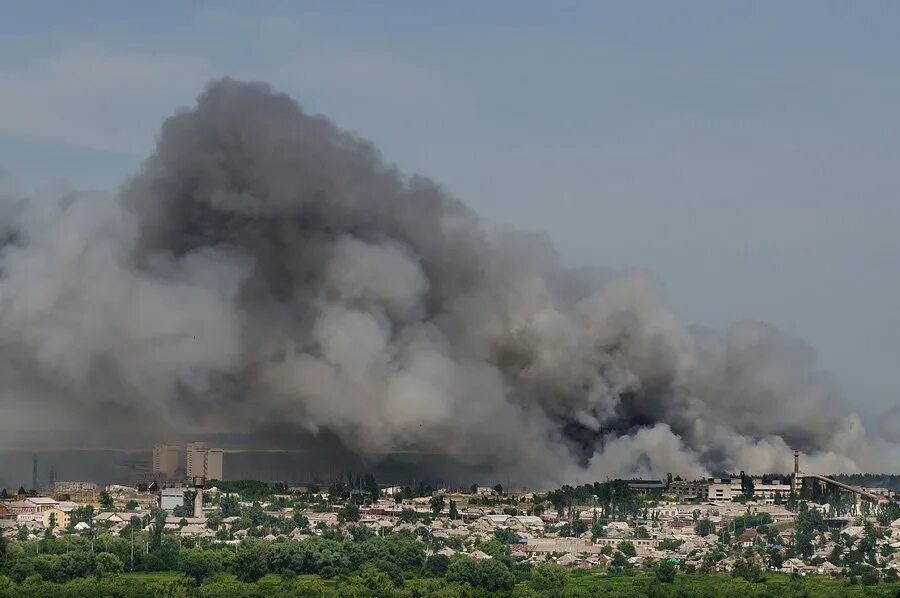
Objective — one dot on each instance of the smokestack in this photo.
(796, 469)
(199, 483)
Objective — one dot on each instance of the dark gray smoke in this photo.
(265, 267)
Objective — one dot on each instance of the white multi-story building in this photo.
(729, 488)
(203, 462)
(165, 459)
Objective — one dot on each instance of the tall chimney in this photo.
(796, 470)
(199, 483)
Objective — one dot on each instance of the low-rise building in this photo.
(726, 489)
(169, 498)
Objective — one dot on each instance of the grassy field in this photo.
(154, 576)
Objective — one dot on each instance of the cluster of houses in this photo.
(36, 512)
(668, 529)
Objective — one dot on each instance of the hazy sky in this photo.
(747, 153)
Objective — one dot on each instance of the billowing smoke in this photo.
(265, 267)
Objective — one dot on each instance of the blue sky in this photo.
(745, 152)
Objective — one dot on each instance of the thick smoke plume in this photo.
(265, 267)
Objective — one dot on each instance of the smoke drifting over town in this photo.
(265, 268)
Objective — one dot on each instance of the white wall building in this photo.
(727, 489)
(169, 498)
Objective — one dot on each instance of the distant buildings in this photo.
(74, 487)
(202, 461)
(199, 461)
(165, 460)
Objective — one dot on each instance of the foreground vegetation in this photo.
(541, 581)
(363, 566)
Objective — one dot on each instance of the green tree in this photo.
(158, 517)
(669, 544)
(436, 565)
(229, 506)
(494, 576)
(705, 527)
(75, 564)
(627, 548)
(377, 582)
(506, 536)
(748, 570)
(747, 486)
(454, 512)
(620, 561)
(349, 512)
(131, 505)
(106, 500)
(549, 579)
(106, 563)
(437, 504)
(869, 578)
(462, 570)
(198, 564)
(665, 571)
(250, 561)
(579, 526)
(774, 558)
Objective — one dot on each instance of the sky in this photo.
(747, 153)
